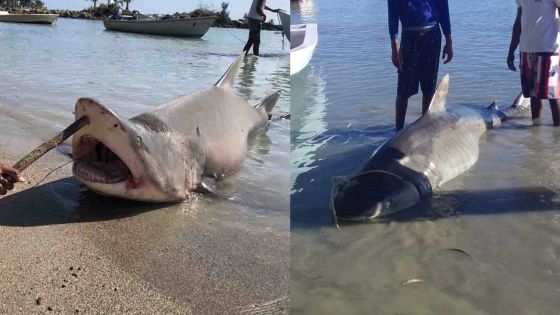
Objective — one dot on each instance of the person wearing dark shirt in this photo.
(255, 19)
(417, 55)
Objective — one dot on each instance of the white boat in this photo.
(285, 21)
(302, 47)
(5, 16)
(194, 27)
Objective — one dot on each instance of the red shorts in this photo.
(540, 77)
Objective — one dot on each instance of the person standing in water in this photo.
(417, 56)
(256, 17)
(536, 32)
(8, 177)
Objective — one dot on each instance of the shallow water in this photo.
(44, 70)
(486, 243)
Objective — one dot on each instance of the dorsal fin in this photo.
(493, 106)
(440, 97)
(227, 80)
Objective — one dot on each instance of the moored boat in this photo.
(5, 16)
(194, 27)
(302, 46)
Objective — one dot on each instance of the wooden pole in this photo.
(51, 144)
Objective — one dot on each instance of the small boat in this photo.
(303, 45)
(285, 21)
(5, 16)
(194, 27)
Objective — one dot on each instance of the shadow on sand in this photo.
(65, 201)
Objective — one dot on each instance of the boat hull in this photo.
(304, 40)
(29, 18)
(193, 27)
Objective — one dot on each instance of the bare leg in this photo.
(401, 105)
(536, 108)
(554, 108)
(426, 100)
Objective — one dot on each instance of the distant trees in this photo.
(26, 3)
(7, 3)
(223, 16)
(94, 3)
(103, 10)
(22, 3)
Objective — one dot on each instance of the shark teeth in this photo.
(97, 163)
(85, 171)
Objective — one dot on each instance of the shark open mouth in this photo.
(95, 162)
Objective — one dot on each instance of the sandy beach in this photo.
(65, 249)
(112, 256)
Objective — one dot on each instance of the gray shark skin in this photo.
(433, 150)
(167, 153)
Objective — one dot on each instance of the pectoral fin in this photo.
(267, 104)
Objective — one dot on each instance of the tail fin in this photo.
(519, 107)
(267, 104)
(227, 80)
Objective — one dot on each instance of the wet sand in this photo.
(66, 250)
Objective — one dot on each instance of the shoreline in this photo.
(89, 14)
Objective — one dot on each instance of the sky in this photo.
(237, 8)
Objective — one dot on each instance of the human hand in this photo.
(396, 58)
(447, 52)
(8, 177)
(511, 62)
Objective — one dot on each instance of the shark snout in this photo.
(347, 205)
(370, 195)
(346, 208)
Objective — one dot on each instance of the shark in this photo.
(171, 151)
(436, 148)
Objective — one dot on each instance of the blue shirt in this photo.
(414, 13)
